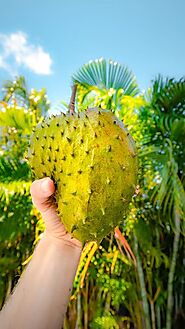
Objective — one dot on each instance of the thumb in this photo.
(41, 192)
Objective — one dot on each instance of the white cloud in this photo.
(16, 51)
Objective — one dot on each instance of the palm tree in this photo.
(164, 153)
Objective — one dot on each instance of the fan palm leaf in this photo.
(106, 75)
(104, 83)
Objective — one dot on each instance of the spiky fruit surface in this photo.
(92, 158)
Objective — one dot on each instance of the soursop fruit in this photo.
(92, 159)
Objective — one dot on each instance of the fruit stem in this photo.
(72, 99)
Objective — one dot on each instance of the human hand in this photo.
(42, 192)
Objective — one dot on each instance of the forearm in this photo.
(42, 294)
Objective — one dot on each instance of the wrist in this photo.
(61, 242)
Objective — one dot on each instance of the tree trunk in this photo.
(172, 269)
(158, 314)
(65, 325)
(9, 288)
(142, 287)
(79, 312)
(85, 304)
(153, 314)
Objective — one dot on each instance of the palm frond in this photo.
(168, 200)
(179, 194)
(15, 211)
(58, 107)
(106, 75)
(7, 190)
(170, 191)
(169, 187)
(178, 130)
(162, 190)
(16, 117)
(14, 170)
(149, 150)
(15, 88)
(168, 95)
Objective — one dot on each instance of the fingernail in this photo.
(44, 185)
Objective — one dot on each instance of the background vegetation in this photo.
(110, 290)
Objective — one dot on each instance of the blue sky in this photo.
(47, 41)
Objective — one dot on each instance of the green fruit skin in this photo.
(92, 158)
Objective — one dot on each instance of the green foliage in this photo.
(13, 170)
(168, 96)
(104, 322)
(107, 267)
(20, 110)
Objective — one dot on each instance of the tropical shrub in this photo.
(20, 111)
